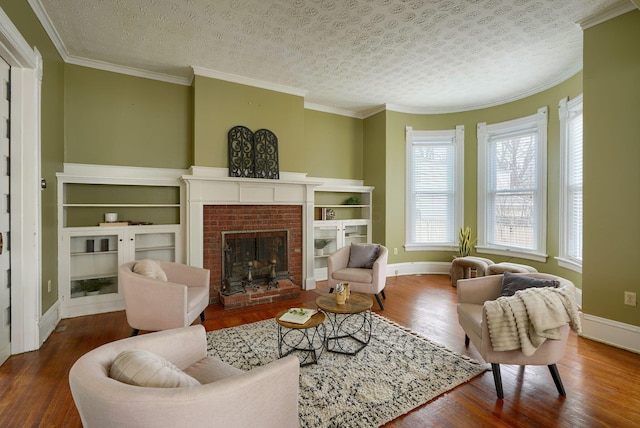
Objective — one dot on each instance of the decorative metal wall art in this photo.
(253, 154)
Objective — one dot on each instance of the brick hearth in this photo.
(221, 218)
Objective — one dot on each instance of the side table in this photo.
(308, 338)
(350, 322)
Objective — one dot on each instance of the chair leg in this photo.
(135, 332)
(379, 302)
(556, 379)
(497, 379)
(383, 296)
(466, 340)
(202, 317)
(331, 290)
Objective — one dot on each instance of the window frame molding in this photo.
(540, 121)
(565, 107)
(457, 135)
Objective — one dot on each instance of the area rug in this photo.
(396, 372)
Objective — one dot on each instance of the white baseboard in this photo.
(49, 321)
(416, 268)
(611, 332)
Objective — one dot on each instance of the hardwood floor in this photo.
(602, 382)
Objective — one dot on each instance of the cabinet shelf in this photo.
(94, 276)
(94, 253)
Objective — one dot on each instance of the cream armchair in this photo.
(472, 315)
(266, 396)
(362, 280)
(156, 304)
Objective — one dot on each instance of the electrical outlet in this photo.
(395, 251)
(49, 286)
(397, 272)
(629, 298)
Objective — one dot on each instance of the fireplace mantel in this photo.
(211, 186)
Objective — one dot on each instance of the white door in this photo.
(5, 208)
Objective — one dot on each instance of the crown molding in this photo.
(613, 11)
(46, 22)
(234, 78)
(333, 110)
(17, 47)
(137, 72)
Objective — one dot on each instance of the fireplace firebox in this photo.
(253, 258)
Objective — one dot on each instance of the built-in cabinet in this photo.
(342, 217)
(91, 250)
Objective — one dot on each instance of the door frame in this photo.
(26, 236)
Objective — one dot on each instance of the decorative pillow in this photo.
(512, 282)
(150, 268)
(363, 255)
(143, 368)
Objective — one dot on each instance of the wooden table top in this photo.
(314, 321)
(357, 302)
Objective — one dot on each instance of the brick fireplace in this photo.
(215, 202)
(225, 218)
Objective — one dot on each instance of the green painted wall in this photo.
(375, 171)
(612, 167)
(52, 136)
(396, 170)
(333, 144)
(220, 105)
(115, 119)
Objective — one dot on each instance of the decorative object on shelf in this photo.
(328, 214)
(354, 200)
(104, 244)
(253, 155)
(110, 217)
(266, 154)
(92, 286)
(90, 245)
(319, 245)
(464, 242)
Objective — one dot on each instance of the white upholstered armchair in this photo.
(472, 315)
(223, 396)
(163, 295)
(364, 274)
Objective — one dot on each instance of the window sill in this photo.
(569, 264)
(538, 257)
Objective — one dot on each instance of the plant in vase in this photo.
(94, 285)
(465, 244)
(319, 245)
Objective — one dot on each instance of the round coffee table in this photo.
(307, 339)
(350, 322)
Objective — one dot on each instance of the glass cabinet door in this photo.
(355, 234)
(93, 265)
(325, 242)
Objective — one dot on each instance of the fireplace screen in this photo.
(254, 258)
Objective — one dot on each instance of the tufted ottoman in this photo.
(500, 268)
(461, 268)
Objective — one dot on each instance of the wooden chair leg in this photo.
(379, 302)
(135, 332)
(556, 379)
(202, 317)
(466, 340)
(497, 379)
(331, 290)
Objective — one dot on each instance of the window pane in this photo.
(514, 225)
(432, 219)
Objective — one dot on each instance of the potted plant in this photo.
(465, 244)
(319, 245)
(93, 286)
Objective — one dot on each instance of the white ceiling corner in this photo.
(347, 57)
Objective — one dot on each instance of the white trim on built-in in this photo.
(49, 321)
(26, 245)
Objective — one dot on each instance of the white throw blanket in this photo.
(524, 321)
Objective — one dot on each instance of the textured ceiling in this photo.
(353, 55)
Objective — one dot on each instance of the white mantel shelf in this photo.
(212, 186)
